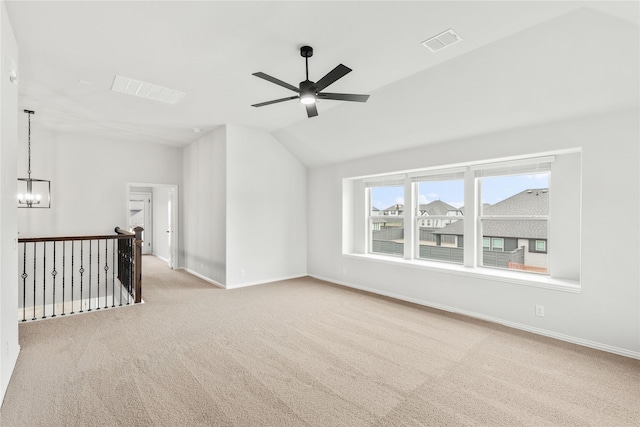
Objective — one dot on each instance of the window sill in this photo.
(512, 277)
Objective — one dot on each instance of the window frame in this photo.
(391, 181)
(471, 176)
(433, 221)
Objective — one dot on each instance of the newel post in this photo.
(137, 264)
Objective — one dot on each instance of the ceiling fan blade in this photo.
(312, 110)
(333, 75)
(275, 101)
(276, 81)
(344, 97)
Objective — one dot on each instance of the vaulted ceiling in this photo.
(518, 63)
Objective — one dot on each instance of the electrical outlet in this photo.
(242, 273)
(540, 310)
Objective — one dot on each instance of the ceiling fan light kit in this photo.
(308, 91)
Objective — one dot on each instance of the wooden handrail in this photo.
(119, 230)
(121, 234)
(69, 238)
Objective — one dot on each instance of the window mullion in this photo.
(471, 195)
(409, 219)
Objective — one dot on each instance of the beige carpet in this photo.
(303, 352)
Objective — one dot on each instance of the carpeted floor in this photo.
(303, 352)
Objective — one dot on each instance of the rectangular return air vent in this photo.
(442, 40)
(146, 90)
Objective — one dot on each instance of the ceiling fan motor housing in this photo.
(307, 85)
(306, 51)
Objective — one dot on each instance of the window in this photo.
(515, 209)
(537, 245)
(386, 217)
(439, 196)
(499, 226)
(497, 244)
(511, 216)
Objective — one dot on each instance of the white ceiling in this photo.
(210, 49)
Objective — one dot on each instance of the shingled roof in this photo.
(527, 202)
(437, 207)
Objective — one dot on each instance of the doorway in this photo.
(141, 215)
(160, 218)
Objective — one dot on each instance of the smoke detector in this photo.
(442, 40)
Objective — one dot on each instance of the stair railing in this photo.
(68, 275)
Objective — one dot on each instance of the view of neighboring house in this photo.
(510, 243)
(507, 243)
(393, 210)
(437, 208)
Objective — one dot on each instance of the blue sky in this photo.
(494, 189)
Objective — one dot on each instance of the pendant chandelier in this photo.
(33, 193)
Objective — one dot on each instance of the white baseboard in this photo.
(205, 278)
(241, 285)
(277, 279)
(160, 257)
(538, 331)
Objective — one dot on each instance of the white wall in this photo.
(605, 314)
(89, 177)
(245, 208)
(204, 206)
(266, 209)
(161, 222)
(8, 221)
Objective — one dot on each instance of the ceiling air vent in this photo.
(146, 90)
(442, 40)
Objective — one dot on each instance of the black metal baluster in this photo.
(72, 273)
(90, 275)
(106, 274)
(98, 281)
(113, 273)
(81, 275)
(120, 268)
(64, 271)
(44, 281)
(24, 281)
(129, 263)
(54, 273)
(34, 281)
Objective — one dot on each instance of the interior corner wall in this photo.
(9, 347)
(89, 176)
(204, 212)
(605, 314)
(266, 209)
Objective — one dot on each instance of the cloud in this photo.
(400, 200)
(425, 199)
(539, 176)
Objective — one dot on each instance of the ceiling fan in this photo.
(309, 92)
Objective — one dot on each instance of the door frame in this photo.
(147, 245)
(175, 229)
